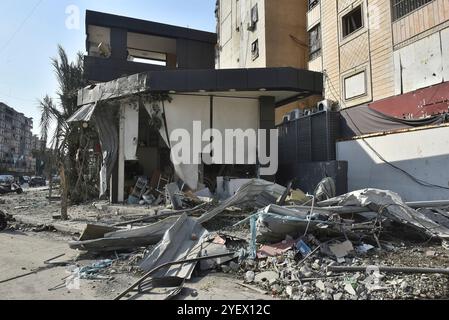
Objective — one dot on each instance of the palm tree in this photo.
(67, 139)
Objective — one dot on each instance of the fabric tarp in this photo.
(108, 135)
(83, 114)
(361, 120)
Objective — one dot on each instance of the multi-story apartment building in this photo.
(389, 54)
(261, 34)
(264, 34)
(16, 142)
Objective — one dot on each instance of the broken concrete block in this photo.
(268, 276)
(350, 289)
(320, 285)
(250, 276)
(341, 250)
(338, 296)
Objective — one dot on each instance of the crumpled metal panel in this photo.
(108, 135)
(182, 241)
(84, 114)
(392, 206)
(248, 193)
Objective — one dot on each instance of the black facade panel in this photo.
(232, 79)
(119, 43)
(306, 140)
(176, 79)
(307, 175)
(147, 27)
(201, 80)
(103, 70)
(262, 78)
(308, 79)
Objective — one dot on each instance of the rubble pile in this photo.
(289, 276)
(367, 244)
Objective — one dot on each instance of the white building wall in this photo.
(423, 63)
(422, 153)
(235, 39)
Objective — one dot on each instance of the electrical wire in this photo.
(415, 179)
(22, 24)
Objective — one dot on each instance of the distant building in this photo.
(17, 142)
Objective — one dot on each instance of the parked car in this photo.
(6, 179)
(8, 185)
(37, 182)
(24, 180)
(56, 179)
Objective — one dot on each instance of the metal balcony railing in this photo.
(402, 8)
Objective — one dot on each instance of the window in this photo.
(254, 18)
(315, 42)
(255, 50)
(352, 21)
(403, 7)
(313, 3)
(355, 85)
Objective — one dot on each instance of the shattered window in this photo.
(353, 21)
(255, 50)
(254, 18)
(315, 42)
(313, 3)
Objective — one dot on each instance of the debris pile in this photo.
(289, 244)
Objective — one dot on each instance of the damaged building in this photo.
(385, 65)
(301, 151)
(136, 114)
(342, 118)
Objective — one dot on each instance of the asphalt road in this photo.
(20, 253)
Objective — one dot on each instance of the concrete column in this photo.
(121, 156)
(113, 186)
(267, 122)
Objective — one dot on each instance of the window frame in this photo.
(364, 71)
(342, 21)
(315, 53)
(255, 44)
(394, 12)
(312, 4)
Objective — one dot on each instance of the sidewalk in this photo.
(67, 227)
(33, 208)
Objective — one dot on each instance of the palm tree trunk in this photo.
(50, 188)
(48, 167)
(64, 190)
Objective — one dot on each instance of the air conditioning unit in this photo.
(325, 105)
(308, 112)
(286, 118)
(296, 114)
(254, 16)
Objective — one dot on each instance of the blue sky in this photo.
(30, 31)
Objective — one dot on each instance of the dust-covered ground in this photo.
(24, 252)
(286, 276)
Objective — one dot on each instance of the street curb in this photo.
(61, 227)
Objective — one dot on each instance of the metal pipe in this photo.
(169, 264)
(387, 269)
(428, 204)
(48, 265)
